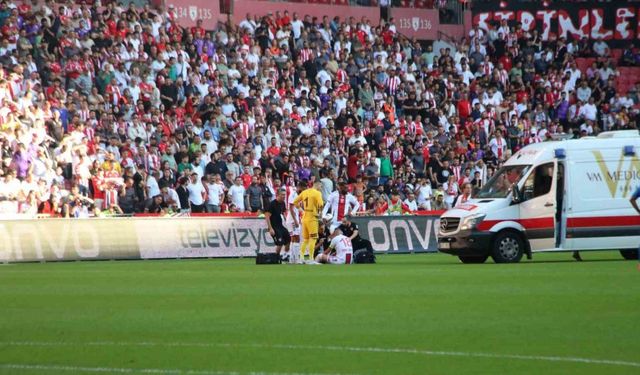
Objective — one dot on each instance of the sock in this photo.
(303, 248)
(312, 247)
(294, 251)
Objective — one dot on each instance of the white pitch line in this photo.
(120, 370)
(442, 353)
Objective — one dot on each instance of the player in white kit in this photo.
(293, 222)
(341, 203)
(340, 250)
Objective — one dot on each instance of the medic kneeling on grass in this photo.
(340, 250)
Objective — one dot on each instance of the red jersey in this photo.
(342, 201)
(246, 180)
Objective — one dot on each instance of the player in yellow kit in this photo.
(311, 203)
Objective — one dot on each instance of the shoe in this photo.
(576, 256)
(313, 263)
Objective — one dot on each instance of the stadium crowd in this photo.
(111, 110)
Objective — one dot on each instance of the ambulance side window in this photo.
(539, 182)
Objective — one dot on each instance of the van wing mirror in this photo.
(516, 194)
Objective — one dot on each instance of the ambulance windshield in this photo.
(499, 186)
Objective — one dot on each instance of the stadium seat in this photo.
(616, 54)
(424, 4)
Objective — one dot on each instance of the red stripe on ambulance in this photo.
(537, 223)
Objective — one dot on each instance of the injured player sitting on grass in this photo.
(340, 250)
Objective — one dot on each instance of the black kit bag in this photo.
(268, 258)
(363, 256)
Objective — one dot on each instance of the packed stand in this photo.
(122, 111)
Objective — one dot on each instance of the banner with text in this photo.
(615, 21)
(184, 237)
(187, 13)
(400, 234)
(418, 23)
(202, 237)
(67, 239)
(424, 24)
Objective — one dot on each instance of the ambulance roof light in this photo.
(560, 153)
(629, 151)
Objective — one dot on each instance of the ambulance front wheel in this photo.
(471, 259)
(508, 247)
(629, 254)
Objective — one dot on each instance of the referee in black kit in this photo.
(274, 216)
(350, 229)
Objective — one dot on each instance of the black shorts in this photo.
(281, 236)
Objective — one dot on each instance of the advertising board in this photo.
(400, 234)
(32, 240)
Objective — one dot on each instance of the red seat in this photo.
(623, 88)
(424, 4)
(625, 70)
(341, 2)
(616, 53)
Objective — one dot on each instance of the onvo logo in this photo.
(413, 233)
(48, 240)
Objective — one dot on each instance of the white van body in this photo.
(570, 195)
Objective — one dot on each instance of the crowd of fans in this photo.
(116, 110)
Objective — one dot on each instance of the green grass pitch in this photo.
(408, 314)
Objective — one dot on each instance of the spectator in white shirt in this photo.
(411, 203)
(137, 130)
(237, 194)
(425, 194)
(248, 24)
(587, 127)
(589, 111)
(583, 92)
(601, 48)
(323, 76)
(212, 145)
(171, 198)
(296, 26)
(305, 127)
(574, 75)
(215, 193)
(152, 184)
(357, 137)
(197, 194)
(499, 145)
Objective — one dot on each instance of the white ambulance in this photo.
(553, 196)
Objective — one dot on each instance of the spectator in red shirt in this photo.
(353, 165)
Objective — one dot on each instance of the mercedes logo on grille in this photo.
(443, 224)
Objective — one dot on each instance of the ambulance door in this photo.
(538, 206)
